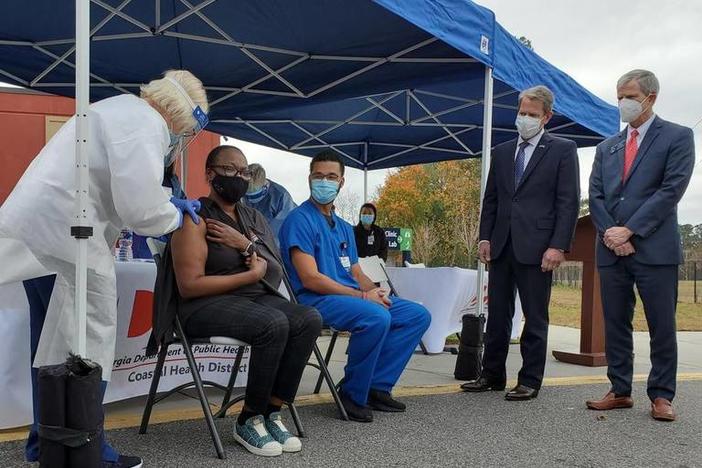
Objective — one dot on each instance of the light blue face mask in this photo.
(367, 219)
(324, 191)
(257, 195)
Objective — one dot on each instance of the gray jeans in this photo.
(281, 335)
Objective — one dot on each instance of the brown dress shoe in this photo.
(521, 393)
(609, 402)
(662, 410)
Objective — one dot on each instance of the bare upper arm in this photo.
(189, 250)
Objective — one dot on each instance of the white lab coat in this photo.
(127, 143)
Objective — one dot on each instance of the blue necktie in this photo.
(519, 163)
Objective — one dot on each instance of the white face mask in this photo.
(527, 126)
(630, 109)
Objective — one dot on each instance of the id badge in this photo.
(371, 239)
(345, 262)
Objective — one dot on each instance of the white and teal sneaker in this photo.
(255, 438)
(276, 428)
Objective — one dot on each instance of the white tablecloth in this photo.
(132, 372)
(448, 293)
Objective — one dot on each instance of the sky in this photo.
(594, 41)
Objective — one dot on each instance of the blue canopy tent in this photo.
(385, 82)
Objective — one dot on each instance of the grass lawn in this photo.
(565, 308)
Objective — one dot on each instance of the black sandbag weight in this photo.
(70, 414)
(84, 412)
(52, 412)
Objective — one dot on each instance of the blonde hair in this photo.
(166, 94)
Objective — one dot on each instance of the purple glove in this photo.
(190, 207)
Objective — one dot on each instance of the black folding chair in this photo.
(180, 338)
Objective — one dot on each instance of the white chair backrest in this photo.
(156, 247)
(282, 289)
(414, 265)
(373, 268)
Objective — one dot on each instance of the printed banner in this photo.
(132, 371)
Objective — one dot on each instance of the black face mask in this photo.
(231, 189)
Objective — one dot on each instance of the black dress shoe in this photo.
(482, 385)
(383, 401)
(521, 393)
(355, 412)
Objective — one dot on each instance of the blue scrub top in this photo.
(307, 229)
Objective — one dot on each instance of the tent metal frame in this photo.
(80, 45)
(431, 118)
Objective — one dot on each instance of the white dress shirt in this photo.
(643, 128)
(529, 150)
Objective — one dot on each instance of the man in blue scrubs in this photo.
(319, 252)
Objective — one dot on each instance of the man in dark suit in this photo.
(638, 178)
(527, 223)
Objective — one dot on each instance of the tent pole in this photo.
(81, 228)
(365, 185)
(484, 168)
(365, 172)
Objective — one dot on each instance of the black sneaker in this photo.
(355, 412)
(124, 461)
(383, 401)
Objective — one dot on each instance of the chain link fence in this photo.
(689, 274)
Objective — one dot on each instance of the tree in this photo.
(584, 207)
(347, 205)
(440, 202)
(526, 42)
(691, 237)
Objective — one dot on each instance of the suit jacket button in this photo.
(621, 199)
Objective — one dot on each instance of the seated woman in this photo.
(228, 270)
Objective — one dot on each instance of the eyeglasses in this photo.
(330, 177)
(232, 171)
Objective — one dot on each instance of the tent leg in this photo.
(365, 185)
(484, 168)
(365, 173)
(81, 228)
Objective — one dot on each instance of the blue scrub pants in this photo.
(38, 294)
(382, 340)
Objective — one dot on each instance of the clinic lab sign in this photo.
(399, 239)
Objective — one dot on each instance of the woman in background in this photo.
(370, 238)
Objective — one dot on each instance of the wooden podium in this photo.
(592, 340)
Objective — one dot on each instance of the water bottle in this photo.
(124, 246)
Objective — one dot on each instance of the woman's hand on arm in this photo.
(189, 250)
(222, 233)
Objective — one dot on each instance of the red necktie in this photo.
(630, 153)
